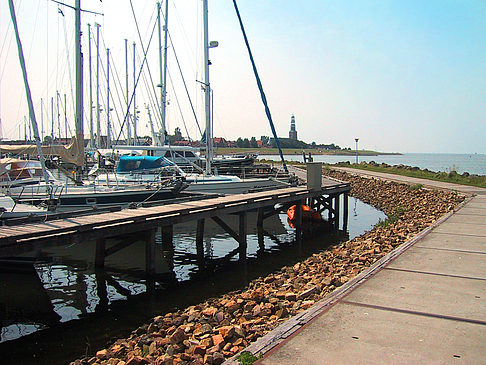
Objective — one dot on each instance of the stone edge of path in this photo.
(272, 339)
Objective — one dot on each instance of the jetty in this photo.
(145, 221)
(424, 302)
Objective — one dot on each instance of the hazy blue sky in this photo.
(404, 76)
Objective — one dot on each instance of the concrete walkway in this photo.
(426, 306)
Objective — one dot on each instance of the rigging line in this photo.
(145, 51)
(104, 73)
(179, 107)
(154, 102)
(68, 58)
(140, 72)
(74, 8)
(184, 82)
(117, 85)
(260, 87)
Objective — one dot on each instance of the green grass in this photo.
(247, 358)
(392, 218)
(449, 177)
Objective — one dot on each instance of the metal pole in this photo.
(98, 124)
(65, 118)
(164, 84)
(108, 125)
(42, 120)
(135, 137)
(129, 133)
(207, 91)
(356, 139)
(91, 137)
(58, 117)
(79, 80)
(52, 120)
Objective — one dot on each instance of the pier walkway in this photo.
(423, 303)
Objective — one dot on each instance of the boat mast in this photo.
(108, 124)
(135, 137)
(207, 92)
(79, 88)
(98, 111)
(91, 137)
(129, 133)
(163, 70)
(29, 96)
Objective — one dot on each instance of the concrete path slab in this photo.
(468, 219)
(437, 295)
(465, 264)
(463, 229)
(449, 242)
(351, 334)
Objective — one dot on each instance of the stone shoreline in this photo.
(218, 328)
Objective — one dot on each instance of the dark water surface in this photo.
(57, 307)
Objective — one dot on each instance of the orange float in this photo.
(308, 214)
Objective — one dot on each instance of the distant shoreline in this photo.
(297, 151)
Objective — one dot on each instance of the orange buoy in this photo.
(308, 214)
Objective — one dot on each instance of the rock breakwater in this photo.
(218, 328)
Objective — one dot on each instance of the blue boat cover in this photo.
(140, 163)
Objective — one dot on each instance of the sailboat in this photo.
(26, 187)
(207, 181)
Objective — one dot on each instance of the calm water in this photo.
(62, 307)
(473, 163)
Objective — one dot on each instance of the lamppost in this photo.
(356, 139)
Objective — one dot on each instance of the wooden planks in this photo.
(107, 222)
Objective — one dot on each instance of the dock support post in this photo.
(242, 234)
(199, 240)
(261, 239)
(345, 212)
(100, 253)
(336, 209)
(298, 222)
(150, 251)
(167, 233)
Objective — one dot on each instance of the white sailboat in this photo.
(207, 181)
(24, 183)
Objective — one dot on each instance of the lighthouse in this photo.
(293, 131)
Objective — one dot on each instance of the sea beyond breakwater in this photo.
(474, 163)
(218, 328)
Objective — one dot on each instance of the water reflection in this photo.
(63, 284)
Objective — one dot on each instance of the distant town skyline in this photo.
(401, 76)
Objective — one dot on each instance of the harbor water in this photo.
(446, 162)
(60, 307)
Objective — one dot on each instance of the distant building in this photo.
(293, 131)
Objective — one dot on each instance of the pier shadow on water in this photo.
(55, 306)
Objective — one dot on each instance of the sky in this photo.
(402, 76)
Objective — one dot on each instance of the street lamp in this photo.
(356, 139)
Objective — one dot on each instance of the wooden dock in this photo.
(15, 240)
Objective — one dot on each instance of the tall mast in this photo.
(79, 81)
(135, 137)
(91, 134)
(207, 91)
(42, 120)
(163, 70)
(108, 125)
(52, 120)
(98, 124)
(27, 92)
(129, 133)
(65, 118)
(58, 116)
